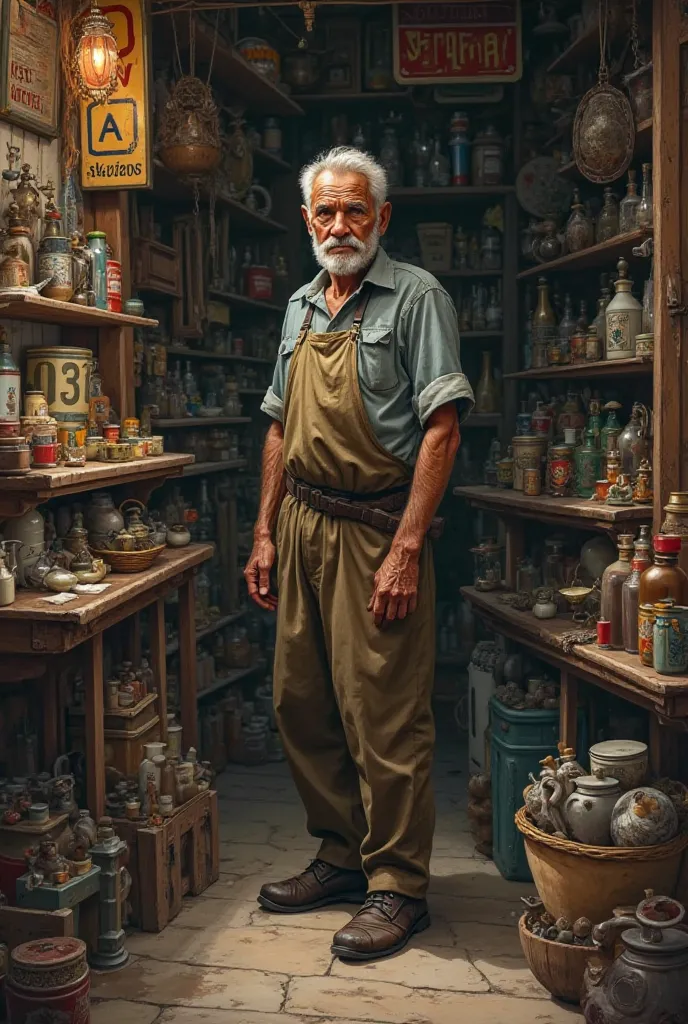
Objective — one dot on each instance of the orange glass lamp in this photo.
(96, 57)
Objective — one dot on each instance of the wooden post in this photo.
(95, 729)
(187, 664)
(514, 530)
(50, 699)
(568, 710)
(159, 660)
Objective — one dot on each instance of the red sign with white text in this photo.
(444, 43)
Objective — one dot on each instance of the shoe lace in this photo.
(379, 900)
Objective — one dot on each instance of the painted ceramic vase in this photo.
(588, 463)
(643, 817)
(588, 811)
(58, 266)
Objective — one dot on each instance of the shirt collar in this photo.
(380, 273)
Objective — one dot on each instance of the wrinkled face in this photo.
(344, 226)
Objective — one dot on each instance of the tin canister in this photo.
(111, 431)
(646, 625)
(97, 244)
(532, 481)
(131, 427)
(137, 447)
(156, 445)
(114, 285)
(46, 455)
(670, 651)
(528, 453)
(644, 345)
(49, 980)
(561, 470)
(62, 373)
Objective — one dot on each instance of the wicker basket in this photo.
(130, 561)
(558, 967)
(575, 881)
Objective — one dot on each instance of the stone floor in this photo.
(225, 961)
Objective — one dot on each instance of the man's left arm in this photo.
(441, 397)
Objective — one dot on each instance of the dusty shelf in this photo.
(583, 512)
(199, 421)
(216, 357)
(439, 195)
(169, 189)
(604, 368)
(234, 676)
(38, 309)
(213, 627)
(205, 468)
(243, 301)
(603, 255)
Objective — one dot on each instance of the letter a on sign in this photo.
(115, 136)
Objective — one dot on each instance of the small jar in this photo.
(165, 805)
(579, 343)
(644, 345)
(532, 482)
(593, 346)
(112, 694)
(132, 809)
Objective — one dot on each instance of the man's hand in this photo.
(257, 573)
(395, 592)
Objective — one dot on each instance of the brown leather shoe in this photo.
(383, 926)
(319, 885)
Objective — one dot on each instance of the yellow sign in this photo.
(115, 143)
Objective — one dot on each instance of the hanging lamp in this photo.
(96, 56)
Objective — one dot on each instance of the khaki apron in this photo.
(353, 702)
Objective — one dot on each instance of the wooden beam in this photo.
(95, 730)
(568, 710)
(187, 664)
(159, 660)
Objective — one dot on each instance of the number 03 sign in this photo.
(115, 136)
(445, 43)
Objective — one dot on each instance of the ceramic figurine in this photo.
(620, 492)
(588, 811)
(643, 817)
(643, 493)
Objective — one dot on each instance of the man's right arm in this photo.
(257, 571)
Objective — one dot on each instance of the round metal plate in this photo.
(540, 190)
(603, 134)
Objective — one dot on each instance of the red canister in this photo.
(258, 283)
(45, 454)
(561, 470)
(49, 979)
(114, 285)
(111, 431)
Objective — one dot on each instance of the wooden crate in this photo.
(123, 748)
(181, 858)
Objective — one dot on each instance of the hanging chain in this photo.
(634, 36)
(603, 17)
(176, 44)
(196, 198)
(212, 53)
(192, 44)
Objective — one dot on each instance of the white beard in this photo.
(347, 264)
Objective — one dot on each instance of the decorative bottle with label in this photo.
(624, 317)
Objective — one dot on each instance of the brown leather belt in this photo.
(377, 511)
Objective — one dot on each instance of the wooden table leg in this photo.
(187, 664)
(568, 710)
(50, 699)
(95, 728)
(159, 660)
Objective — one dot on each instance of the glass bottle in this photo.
(528, 332)
(633, 442)
(98, 403)
(644, 216)
(628, 207)
(608, 220)
(613, 579)
(579, 228)
(486, 396)
(460, 148)
(588, 461)
(205, 526)
(189, 381)
(630, 592)
(493, 313)
(389, 157)
(439, 167)
(664, 579)
(624, 317)
(643, 546)
(544, 325)
(600, 321)
(567, 326)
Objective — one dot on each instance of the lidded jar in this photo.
(623, 316)
(488, 157)
(588, 811)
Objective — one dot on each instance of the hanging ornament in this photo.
(189, 135)
(96, 56)
(308, 8)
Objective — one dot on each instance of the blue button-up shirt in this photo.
(408, 351)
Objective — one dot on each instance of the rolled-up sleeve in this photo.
(432, 355)
(273, 402)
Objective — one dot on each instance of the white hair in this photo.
(347, 160)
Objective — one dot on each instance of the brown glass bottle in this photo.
(665, 578)
(613, 579)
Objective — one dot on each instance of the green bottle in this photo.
(588, 466)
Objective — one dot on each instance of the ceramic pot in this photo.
(625, 760)
(30, 530)
(643, 817)
(178, 536)
(60, 580)
(62, 373)
(35, 403)
(545, 606)
(588, 811)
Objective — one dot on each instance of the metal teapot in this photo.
(647, 982)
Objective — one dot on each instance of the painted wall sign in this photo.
(115, 136)
(29, 55)
(436, 43)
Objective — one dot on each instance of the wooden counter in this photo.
(31, 629)
(614, 671)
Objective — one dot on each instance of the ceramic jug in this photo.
(588, 811)
(648, 981)
(30, 530)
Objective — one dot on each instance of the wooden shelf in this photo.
(481, 334)
(199, 421)
(269, 162)
(483, 419)
(642, 148)
(440, 195)
(259, 392)
(124, 587)
(234, 676)
(220, 623)
(603, 255)
(192, 353)
(169, 189)
(260, 95)
(582, 513)
(18, 493)
(467, 273)
(584, 49)
(613, 670)
(339, 99)
(605, 368)
(243, 301)
(37, 309)
(206, 468)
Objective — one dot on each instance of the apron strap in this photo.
(305, 326)
(360, 312)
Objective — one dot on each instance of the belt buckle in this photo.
(315, 499)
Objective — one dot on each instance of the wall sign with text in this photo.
(445, 43)
(115, 136)
(29, 56)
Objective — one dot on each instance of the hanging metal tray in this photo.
(603, 134)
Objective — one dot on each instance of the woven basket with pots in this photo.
(558, 967)
(130, 561)
(575, 881)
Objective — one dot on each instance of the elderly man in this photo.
(366, 401)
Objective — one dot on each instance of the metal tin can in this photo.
(646, 623)
(561, 470)
(670, 654)
(644, 345)
(62, 373)
(131, 427)
(113, 270)
(532, 481)
(49, 979)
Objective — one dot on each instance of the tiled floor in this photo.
(225, 961)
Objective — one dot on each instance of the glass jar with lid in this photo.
(488, 157)
(487, 565)
(608, 220)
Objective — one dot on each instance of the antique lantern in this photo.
(96, 57)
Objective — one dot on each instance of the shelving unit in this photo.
(459, 193)
(193, 353)
(207, 468)
(635, 367)
(33, 308)
(200, 421)
(243, 301)
(201, 634)
(599, 256)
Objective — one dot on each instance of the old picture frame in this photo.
(29, 65)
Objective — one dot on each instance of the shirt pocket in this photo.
(287, 346)
(377, 358)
